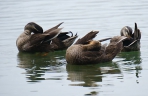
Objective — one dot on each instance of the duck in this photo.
(89, 51)
(133, 41)
(33, 39)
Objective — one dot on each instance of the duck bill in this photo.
(121, 39)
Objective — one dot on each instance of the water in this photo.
(23, 74)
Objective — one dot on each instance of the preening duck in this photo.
(89, 51)
(33, 39)
(133, 41)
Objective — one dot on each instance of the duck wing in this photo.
(47, 39)
(87, 37)
(63, 40)
(133, 46)
(41, 38)
(90, 57)
(64, 35)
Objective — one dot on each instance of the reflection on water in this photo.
(93, 93)
(89, 75)
(131, 61)
(43, 66)
(39, 63)
(131, 57)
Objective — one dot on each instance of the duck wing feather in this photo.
(87, 37)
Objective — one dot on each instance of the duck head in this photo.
(33, 27)
(126, 31)
(24, 38)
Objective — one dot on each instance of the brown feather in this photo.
(87, 37)
(53, 28)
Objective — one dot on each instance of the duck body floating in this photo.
(89, 51)
(33, 39)
(133, 41)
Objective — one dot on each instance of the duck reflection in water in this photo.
(36, 65)
(131, 60)
(134, 57)
(90, 75)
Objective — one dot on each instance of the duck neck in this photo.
(112, 50)
(23, 39)
(27, 32)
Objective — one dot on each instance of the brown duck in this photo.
(88, 51)
(133, 41)
(33, 39)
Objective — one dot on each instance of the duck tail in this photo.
(137, 33)
(53, 28)
(87, 37)
(53, 34)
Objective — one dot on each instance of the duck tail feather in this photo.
(137, 33)
(53, 34)
(87, 37)
(53, 28)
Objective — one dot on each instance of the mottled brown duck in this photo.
(133, 41)
(89, 51)
(33, 39)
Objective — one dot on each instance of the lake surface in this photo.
(23, 74)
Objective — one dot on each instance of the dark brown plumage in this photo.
(133, 41)
(33, 39)
(88, 51)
